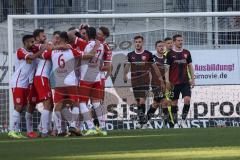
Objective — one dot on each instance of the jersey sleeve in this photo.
(154, 59)
(88, 48)
(151, 57)
(80, 43)
(165, 53)
(47, 54)
(21, 54)
(107, 55)
(189, 58)
(165, 60)
(128, 59)
(169, 59)
(77, 53)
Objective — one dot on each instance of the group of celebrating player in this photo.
(68, 72)
(74, 65)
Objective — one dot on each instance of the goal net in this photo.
(211, 37)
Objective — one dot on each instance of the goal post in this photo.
(206, 33)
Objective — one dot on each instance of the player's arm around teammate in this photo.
(20, 82)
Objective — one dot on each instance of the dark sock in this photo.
(165, 115)
(165, 111)
(150, 112)
(174, 110)
(96, 122)
(185, 111)
(141, 113)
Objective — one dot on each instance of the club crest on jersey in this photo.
(185, 55)
(49, 94)
(144, 58)
(18, 100)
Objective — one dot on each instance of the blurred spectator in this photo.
(5, 6)
(19, 6)
(45, 6)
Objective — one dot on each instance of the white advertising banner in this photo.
(212, 67)
(216, 66)
(211, 106)
(207, 102)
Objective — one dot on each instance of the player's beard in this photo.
(101, 39)
(139, 48)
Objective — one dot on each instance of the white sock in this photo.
(45, 120)
(100, 114)
(15, 124)
(57, 118)
(81, 125)
(75, 115)
(86, 115)
(64, 126)
(67, 115)
(50, 127)
(29, 120)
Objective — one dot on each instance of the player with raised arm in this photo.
(180, 62)
(141, 61)
(42, 84)
(102, 34)
(77, 42)
(90, 84)
(25, 64)
(76, 39)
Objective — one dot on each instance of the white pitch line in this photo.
(80, 138)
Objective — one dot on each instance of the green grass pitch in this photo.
(165, 144)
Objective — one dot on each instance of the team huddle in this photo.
(65, 74)
(69, 72)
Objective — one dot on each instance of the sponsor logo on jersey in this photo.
(185, 55)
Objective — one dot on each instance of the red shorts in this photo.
(20, 96)
(65, 93)
(90, 90)
(32, 95)
(43, 88)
